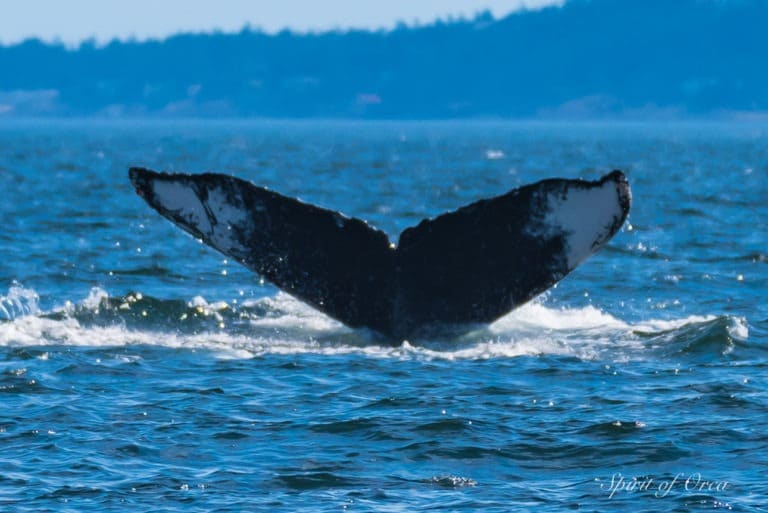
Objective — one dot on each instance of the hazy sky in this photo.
(71, 21)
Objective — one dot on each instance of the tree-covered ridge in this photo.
(589, 58)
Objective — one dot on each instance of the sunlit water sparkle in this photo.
(142, 371)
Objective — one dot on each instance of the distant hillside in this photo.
(589, 58)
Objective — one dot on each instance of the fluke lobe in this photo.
(461, 268)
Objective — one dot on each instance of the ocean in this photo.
(142, 371)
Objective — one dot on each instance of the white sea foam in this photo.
(18, 302)
(95, 298)
(738, 329)
(293, 314)
(283, 325)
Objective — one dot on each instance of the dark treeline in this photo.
(589, 58)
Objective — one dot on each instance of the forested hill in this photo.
(588, 58)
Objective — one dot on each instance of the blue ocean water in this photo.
(142, 371)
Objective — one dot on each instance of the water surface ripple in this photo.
(141, 371)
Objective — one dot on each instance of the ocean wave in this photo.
(18, 302)
(281, 324)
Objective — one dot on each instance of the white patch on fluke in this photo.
(585, 216)
(220, 203)
(181, 199)
(213, 218)
(226, 215)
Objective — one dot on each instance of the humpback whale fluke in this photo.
(469, 266)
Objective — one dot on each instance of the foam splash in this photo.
(283, 325)
(18, 302)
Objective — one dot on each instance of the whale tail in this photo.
(469, 266)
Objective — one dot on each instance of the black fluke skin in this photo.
(465, 267)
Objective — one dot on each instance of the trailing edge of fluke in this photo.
(465, 267)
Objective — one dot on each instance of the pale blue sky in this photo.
(71, 21)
